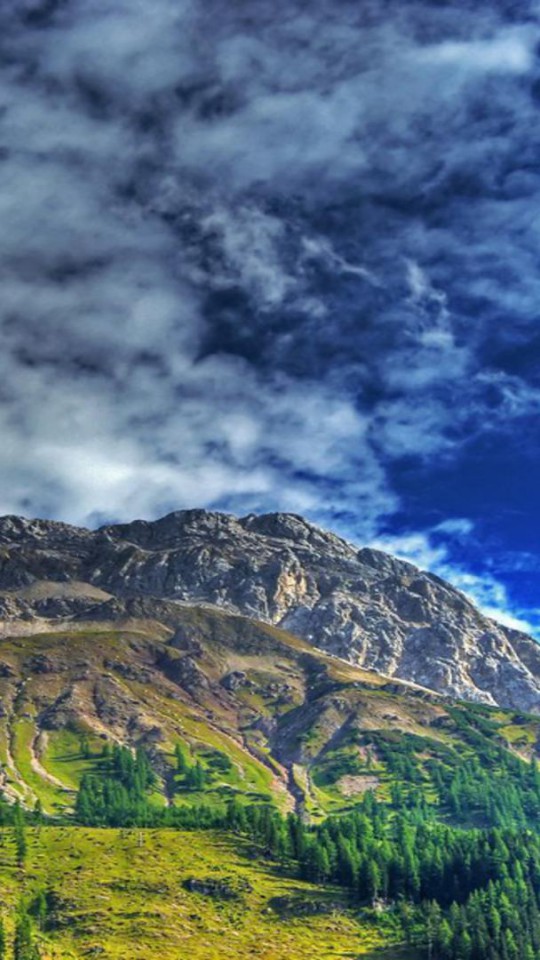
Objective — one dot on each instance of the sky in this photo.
(283, 256)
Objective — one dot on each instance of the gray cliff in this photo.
(361, 605)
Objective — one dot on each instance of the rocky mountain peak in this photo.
(20, 530)
(384, 563)
(361, 605)
(173, 529)
(291, 526)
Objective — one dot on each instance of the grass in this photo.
(518, 735)
(121, 894)
(63, 756)
(253, 774)
(53, 798)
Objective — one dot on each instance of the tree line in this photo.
(459, 894)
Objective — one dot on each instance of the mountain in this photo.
(283, 659)
(261, 695)
(360, 605)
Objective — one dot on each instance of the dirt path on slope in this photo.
(38, 745)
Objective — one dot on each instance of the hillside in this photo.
(358, 604)
(182, 767)
(126, 896)
(265, 714)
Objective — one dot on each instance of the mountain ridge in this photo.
(357, 603)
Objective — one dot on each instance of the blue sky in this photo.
(278, 257)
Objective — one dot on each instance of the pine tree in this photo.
(19, 831)
(41, 909)
(196, 777)
(372, 877)
(443, 940)
(182, 763)
(38, 812)
(236, 816)
(24, 947)
(433, 920)
(316, 865)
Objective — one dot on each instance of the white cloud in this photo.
(315, 190)
(456, 526)
(251, 243)
(415, 548)
(321, 250)
(510, 52)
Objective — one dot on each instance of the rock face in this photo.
(360, 605)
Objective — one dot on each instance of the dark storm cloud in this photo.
(315, 218)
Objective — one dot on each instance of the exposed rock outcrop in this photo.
(360, 605)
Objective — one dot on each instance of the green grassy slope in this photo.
(120, 894)
(266, 716)
(267, 719)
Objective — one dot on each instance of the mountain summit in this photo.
(360, 605)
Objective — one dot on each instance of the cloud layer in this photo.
(260, 257)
